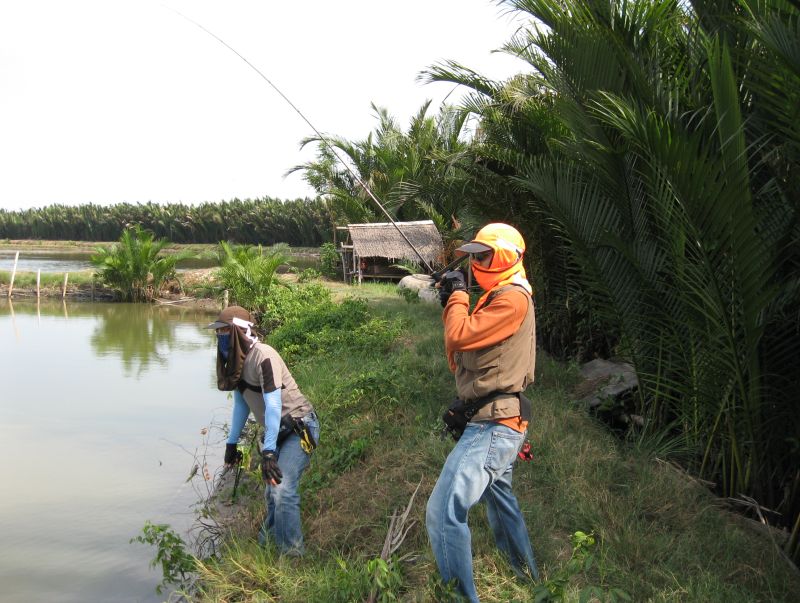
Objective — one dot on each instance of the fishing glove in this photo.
(269, 467)
(233, 455)
(454, 280)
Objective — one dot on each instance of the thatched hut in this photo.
(370, 250)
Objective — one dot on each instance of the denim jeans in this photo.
(478, 469)
(282, 523)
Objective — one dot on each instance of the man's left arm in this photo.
(271, 388)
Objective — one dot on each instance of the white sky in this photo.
(106, 101)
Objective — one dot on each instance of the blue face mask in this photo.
(224, 344)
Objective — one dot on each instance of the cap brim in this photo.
(474, 247)
(217, 325)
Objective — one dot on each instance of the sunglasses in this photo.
(483, 255)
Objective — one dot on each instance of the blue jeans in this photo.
(478, 469)
(282, 523)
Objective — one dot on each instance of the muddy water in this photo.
(101, 412)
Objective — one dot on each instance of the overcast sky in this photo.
(107, 101)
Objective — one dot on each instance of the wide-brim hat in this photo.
(225, 318)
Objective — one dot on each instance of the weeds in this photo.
(555, 588)
(177, 565)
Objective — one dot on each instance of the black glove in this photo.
(232, 454)
(270, 471)
(451, 281)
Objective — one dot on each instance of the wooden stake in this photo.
(38, 280)
(64, 290)
(13, 274)
(225, 299)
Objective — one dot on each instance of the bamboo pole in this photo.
(38, 281)
(13, 274)
(64, 289)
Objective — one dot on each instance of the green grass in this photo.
(661, 536)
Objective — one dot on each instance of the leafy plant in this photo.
(307, 275)
(387, 578)
(135, 267)
(249, 272)
(329, 260)
(410, 295)
(346, 324)
(176, 564)
(582, 559)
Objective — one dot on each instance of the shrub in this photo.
(249, 272)
(329, 260)
(134, 267)
(334, 325)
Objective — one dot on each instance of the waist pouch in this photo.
(289, 425)
(459, 413)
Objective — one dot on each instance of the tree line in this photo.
(300, 223)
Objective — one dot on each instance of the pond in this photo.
(100, 419)
(75, 261)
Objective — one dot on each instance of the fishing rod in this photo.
(317, 132)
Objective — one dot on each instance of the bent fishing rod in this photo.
(317, 132)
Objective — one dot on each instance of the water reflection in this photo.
(141, 335)
(101, 403)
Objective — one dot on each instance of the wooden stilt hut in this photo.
(371, 250)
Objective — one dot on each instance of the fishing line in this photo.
(310, 125)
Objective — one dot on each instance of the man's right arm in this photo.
(486, 327)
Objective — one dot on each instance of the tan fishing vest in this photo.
(506, 367)
(265, 369)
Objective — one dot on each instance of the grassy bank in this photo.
(379, 386)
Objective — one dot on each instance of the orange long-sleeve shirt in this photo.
(486, 326)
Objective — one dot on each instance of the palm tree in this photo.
(134, 267)
(415, 174)
(249, 272)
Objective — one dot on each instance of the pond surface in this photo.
(46, 261)
(75, 261)
(100, 418)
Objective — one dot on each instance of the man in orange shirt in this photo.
(491, 352)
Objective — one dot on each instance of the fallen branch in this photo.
(399, 527)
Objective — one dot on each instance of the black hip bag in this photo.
(459, 413)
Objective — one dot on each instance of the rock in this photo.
(422, 283)
(606, 379)
(416, 281)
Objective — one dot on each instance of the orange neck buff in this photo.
(500, 273)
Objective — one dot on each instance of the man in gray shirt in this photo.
(262, 384)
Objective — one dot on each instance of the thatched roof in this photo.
(382, 240)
